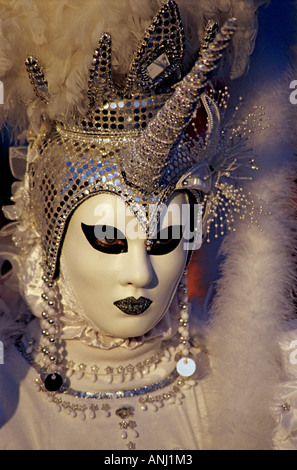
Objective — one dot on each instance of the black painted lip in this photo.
(132, 306)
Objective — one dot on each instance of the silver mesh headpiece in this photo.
(132, 141)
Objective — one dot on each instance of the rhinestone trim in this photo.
(98, 395)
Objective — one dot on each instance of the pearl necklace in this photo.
(119, 374)
(95, 405)
(182, 382)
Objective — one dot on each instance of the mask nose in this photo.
(136, 267)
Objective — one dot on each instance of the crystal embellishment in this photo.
(186, 367)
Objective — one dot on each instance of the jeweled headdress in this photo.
(140, 139)
(132, 140)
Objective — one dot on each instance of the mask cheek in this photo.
(169, 269)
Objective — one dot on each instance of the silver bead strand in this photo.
(185, 365)
(49, 349)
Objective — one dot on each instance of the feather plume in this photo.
(254, 295)
(63, 35)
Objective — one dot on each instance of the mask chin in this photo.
(76, 325)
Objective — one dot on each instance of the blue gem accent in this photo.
(136, 392)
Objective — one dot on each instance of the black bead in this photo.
(53, 382)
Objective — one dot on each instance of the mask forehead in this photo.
(110, 209)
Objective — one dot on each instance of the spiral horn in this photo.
(144, 162)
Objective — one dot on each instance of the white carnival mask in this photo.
(123, 284)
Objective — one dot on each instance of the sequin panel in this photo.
(70, 171)
(119, 115)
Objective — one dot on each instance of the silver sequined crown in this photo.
(132, 141)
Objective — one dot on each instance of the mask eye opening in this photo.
(105, 238)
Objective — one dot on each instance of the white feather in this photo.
(63, 35)
(253, 298)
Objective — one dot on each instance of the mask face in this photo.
(123, 283)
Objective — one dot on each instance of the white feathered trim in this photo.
(256, 286)
(254, 295)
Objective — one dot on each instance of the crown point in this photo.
(37, 78)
